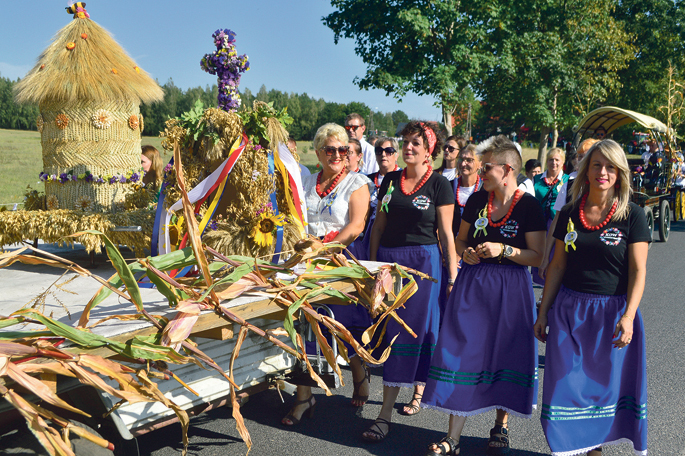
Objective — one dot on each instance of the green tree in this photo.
(420, 46)
(557, 59)
(659, 37)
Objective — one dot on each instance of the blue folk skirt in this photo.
(410, 357)
(486, 356)
(593, 394)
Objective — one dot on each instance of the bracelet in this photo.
(450, 281)
(501, 253)
(626, 316)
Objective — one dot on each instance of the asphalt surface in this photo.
(337, 426)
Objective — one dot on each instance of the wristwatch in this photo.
(508, 251)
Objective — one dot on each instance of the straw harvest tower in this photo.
(89, 93)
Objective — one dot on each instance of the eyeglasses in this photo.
(449, 149)
(330, 150)
(600, 134)
(487, 167)
(387, 151)
(352, 127)
(468, 160)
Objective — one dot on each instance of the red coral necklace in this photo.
(551, 184)
(517, 196)
(601, 225)
(375, 179)
(459, 185)
(419, 185)
(330, 187)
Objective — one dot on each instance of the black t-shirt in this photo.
(413, 219)
(526, 216)
(599, 263)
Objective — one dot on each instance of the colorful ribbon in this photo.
(571, 236)
(386, 199)
(482, 222)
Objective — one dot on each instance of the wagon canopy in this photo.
(611, 117)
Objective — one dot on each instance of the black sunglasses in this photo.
(387, 150)
(330, 150)
(449, 149)
(352, 127)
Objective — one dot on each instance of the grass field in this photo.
(21, 161)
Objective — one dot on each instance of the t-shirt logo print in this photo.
(421, 202)
(509, 229)
(611, 236)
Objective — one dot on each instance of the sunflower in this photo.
(84, 203)
(262, 231)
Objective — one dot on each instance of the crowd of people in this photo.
(477, 226)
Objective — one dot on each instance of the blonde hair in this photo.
(555, 151)
(329, 130)
(613, 152)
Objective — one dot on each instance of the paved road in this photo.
(336, 426)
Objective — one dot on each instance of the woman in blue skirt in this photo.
(414, 205)
(595, 388)
(485, 359)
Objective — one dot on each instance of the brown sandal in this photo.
(308, 413)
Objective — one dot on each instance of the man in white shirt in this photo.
(354, 125)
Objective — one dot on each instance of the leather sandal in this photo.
(498, 434)
(290, 420)
(414, 409)
(454, 446)
(376, 432)
(356, 397)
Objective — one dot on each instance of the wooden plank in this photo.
(221, 333)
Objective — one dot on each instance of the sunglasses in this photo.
(449, 149)
(468, 160)
(330, 150)
(352, 127)
(387, 151)
(487, 167)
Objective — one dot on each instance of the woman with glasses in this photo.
(547, 186)
(451, 149)
(484, 359)
(337, 202)
(386, 157)
(415, 205)
(595, 388)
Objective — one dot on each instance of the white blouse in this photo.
(331, 213)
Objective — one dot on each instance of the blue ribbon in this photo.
(274, 205)
(154, 247)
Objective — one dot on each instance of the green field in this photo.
(21, 161)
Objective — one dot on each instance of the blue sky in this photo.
(288, 46)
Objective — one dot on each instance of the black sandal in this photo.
(308, 413)
(454, 446)
(355, 395)
(413, 409)
(498, 434)
(378, 434)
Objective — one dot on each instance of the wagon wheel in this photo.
(650, 223)
(680, 205)
(664, 220)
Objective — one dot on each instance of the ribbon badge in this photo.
(571, 236)
(387, 198)
(482, 222)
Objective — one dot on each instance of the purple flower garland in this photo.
(228, 66)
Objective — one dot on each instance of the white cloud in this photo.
(7, 70)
